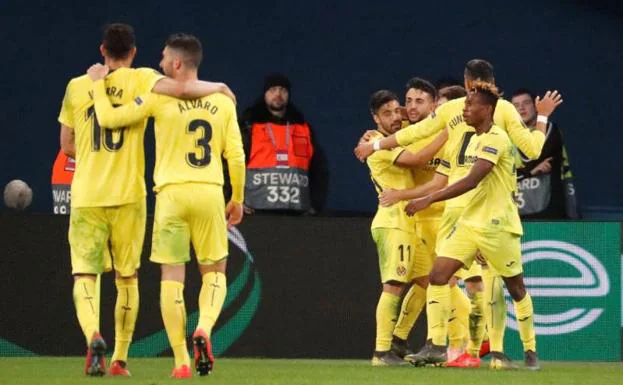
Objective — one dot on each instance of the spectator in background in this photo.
(283, 169)
(542, 191)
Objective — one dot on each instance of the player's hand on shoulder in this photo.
(550, 101)
(389, 197)
(98, 71)
(363, 151)
(234, 213)
(367, 136)
(228, 92)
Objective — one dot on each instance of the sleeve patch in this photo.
(138, 100)
(490, 150)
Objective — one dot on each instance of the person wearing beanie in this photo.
(285, 172)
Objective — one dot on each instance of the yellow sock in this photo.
(525, 322)
(86, 306)
(412, 306)
(495, 309)
(386, 315)
(459, 314)
(476, 323)
(126, 311)
(174, 316)
(438, 310)
(211, 299)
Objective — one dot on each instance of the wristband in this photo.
(376, 145)
(542, 119)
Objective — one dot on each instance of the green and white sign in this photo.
(572, 271)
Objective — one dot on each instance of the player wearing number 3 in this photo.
(191, 138)
(108, 192)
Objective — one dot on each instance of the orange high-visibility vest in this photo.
(62, 175)
(278, 167)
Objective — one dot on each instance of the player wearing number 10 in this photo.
(191, 137)
(108, 192)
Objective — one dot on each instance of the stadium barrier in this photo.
(306, 287)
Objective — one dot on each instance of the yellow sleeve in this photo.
(129, 113)
(444, 168)
(434, 123)
(234, 153)
(529, 142)
(66, 116)
(148, 79)
(491, 147)
(388, 156)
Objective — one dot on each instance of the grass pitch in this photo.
(148, 371)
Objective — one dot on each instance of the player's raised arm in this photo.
(421, 158)
(530, 143)
(434, 123)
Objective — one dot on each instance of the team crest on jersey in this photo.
(138, 100)
(401, 271)
(490, 150)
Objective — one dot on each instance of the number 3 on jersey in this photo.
(203, 143)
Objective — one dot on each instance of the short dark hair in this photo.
(190, 47)
(524, 91)
(452, 92)
(479, 69)
(379, 98)
(118, 40)
(422, 85)
(488, 91)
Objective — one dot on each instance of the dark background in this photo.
(336, 55)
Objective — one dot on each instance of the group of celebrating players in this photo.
(461, 152)
(195, 126)
(446, 183)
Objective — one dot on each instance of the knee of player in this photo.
(421, 281)
(92, 277)
(438, 278)
(394, 287)
(516, 287)
(474, 285)
(125, 277)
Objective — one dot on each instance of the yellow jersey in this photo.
(491, 205)
(424, 175)
(386, 175)
(450, 114)
(191, 137)
(110, 163)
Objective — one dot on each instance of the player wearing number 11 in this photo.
(191, 137)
